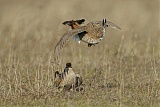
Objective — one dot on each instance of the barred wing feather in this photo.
(112, 25)
(64, 39)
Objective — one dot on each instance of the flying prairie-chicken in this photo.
(92, 33)
(67, 80)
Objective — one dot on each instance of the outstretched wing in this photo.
(110, 24)
(81, 21)
(74, 23)
(64, 39)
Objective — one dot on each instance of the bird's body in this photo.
(93, 31)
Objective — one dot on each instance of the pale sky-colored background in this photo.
(127, 13)
(37, 24)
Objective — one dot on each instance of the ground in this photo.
(123, 70)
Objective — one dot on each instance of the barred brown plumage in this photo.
(74, 23)
(64, 39)
(92, 33)
(67, 80)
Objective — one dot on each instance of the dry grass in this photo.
(123, 70)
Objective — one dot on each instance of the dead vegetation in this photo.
(122, 70)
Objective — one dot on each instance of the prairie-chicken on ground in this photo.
(67, 80)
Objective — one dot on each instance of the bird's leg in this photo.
(89, 45)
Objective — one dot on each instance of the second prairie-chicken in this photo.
(92, 33)
(67, 79)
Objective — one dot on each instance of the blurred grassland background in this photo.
(122, 70)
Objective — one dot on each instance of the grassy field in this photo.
(123, 70)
